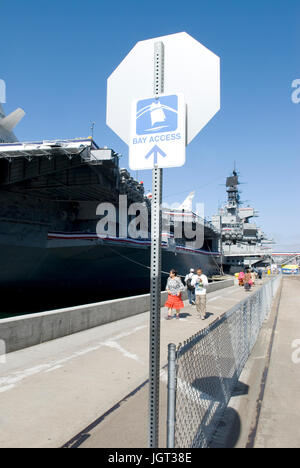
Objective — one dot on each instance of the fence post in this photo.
(171, 395)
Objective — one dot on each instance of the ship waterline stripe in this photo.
(75, 236)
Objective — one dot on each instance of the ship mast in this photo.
(233, 194)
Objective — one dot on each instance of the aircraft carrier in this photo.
(51, 254)
(243, 243)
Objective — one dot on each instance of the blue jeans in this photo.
(191, 295)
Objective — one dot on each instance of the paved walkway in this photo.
(50, 392)
(279, 421)
(264, 411)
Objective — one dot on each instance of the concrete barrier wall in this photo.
(30, 330)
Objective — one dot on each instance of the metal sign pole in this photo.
(155, 298)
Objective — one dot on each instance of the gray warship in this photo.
(51, 255)
(243, 244)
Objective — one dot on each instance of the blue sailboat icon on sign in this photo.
(157, 115)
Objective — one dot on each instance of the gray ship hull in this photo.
(50, 255)
(67, 273)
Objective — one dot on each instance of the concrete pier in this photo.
(33, 329)
(279, 420)
(90, 389)
(50, 392)
(268, 414)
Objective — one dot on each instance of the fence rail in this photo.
(204, 371)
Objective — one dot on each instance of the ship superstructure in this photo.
(242, 242)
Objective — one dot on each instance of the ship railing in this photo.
(177, 215)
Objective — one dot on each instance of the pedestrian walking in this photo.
(241, 278)
(253, 277)
(174, 288)
(260, 273)
(200, 282)
(247, 281)
(190, 288)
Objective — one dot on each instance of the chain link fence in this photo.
(204, 371)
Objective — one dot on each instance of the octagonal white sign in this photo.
(189, 68)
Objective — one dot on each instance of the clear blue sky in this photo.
(56, 56)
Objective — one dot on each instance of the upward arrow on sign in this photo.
(155, 151)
